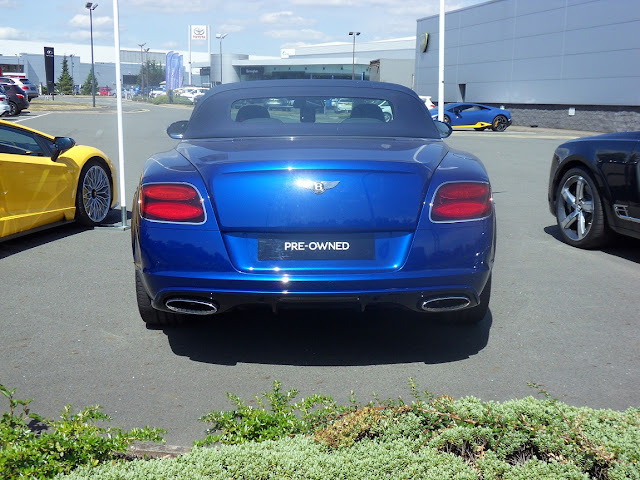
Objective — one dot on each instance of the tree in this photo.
(153, 73)
(65, 82)
(86, 87)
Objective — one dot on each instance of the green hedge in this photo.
(429, 438)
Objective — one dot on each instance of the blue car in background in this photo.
(310, 207)
(474, 115)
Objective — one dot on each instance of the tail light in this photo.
(19, 95)
(171, 202)
(459, 201)
(24, 87)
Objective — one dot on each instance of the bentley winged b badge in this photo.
(318, 187)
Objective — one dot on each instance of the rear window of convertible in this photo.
(312, 110)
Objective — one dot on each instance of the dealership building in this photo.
(571, 64)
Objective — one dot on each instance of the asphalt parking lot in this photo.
(561, 317)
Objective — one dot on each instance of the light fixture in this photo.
(91, 7)
(220, 36)
(353, 61)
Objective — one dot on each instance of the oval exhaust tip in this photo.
(445, 304)
(191, 306)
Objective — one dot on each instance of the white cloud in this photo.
(171, 6)
(284, 18)
(307, 34)
(99, 23)
(10, 33)
(229, 28)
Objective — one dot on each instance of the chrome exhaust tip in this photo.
(445, 304)
(191, 306)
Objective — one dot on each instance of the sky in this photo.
(256, 27)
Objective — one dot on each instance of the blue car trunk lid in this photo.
(316, 185)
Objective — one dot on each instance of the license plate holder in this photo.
(316, 247)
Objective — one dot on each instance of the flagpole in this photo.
(441, 65)
(116, 35)
(190, 83)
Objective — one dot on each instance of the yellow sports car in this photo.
(46, 181)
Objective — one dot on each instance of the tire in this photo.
(446, 119)
(14, 109)
(499, 124)
(94, 195)
(579, 211)
(151, 316)
(387, 116)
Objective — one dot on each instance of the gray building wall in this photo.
(400, 71)
(530, 54)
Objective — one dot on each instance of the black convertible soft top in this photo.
(214, 117)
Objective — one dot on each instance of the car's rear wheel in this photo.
(579, 211)
(13, 109)
(446, 119)
(94, 195)
(387, 116)
(499, 124)
(151, 316)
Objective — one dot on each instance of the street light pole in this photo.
(353, 61)
(142, 68)
(91, 7)
(221, 36)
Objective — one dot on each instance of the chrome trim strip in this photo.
(623, 213)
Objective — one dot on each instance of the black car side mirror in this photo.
(176, 129)
(61, 145)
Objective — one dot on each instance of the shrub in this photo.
(282, 418)
(64, 444)
(164, 100)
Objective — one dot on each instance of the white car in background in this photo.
(193, 93)
(5, 108)
(427, 101)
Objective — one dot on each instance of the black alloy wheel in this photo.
(499, 124)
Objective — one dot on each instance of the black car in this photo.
(16, 98)
(594, 188)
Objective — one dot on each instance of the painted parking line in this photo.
(31, 117)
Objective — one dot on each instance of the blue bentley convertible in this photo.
(273, 197)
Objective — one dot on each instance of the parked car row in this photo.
(15, 99)
(23, 84)
(351, 227)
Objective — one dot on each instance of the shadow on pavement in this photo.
(621, 246)
(37, 238)
(327, 338)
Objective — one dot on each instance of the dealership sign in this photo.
(198, 32)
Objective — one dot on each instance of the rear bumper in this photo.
(418, 300)
(442, 263)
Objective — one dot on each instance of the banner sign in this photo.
(174, 75)
(48, 68)
(198, 32)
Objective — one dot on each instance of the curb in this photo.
(153, 450)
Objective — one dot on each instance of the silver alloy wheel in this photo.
(575, 208)
(96, 194)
